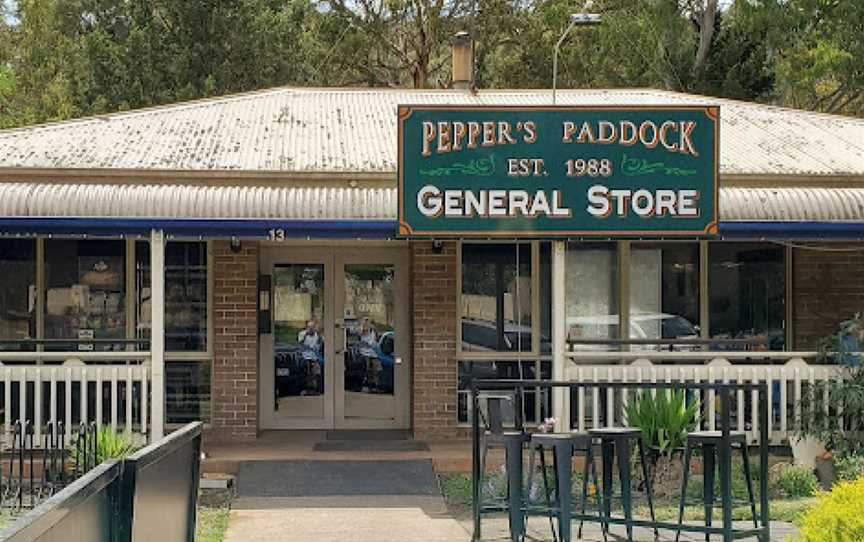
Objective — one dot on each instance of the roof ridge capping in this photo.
(240, 96)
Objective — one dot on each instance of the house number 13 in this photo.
(276, 234)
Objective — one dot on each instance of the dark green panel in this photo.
(557, 171)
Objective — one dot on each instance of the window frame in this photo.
(527, 355)
(203, 356)
(470, 357)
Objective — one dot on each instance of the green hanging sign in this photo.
(558, 171)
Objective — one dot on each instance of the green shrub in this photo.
(849, 468)
(795, 481)
(837, 517)
(110, 444)
(664, 418)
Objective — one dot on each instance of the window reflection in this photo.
(17, 292)
(298, 317)
(664, 293)
(185, 295)
(496, 297)
(369, 322)
(747, 286)
(85, 292)
(187, 391)
(591, 295)
(536, 402)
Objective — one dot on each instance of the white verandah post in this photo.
(560, 396)
(157, 334)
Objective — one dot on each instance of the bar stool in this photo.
(616, 441)
(709, 441)
(563, 447)
(512, 442)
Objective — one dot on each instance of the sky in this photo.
(10, 9)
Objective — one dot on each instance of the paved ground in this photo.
(344, 500)
(342, 519)
(304, 478)
(339, 501)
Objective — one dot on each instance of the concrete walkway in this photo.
(342, 519)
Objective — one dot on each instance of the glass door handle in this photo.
(338, 351)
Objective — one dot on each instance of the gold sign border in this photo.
(405, 230)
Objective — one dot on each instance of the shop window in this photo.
(17, 293)
(536, 403)
(185, 295)
(496, 297)
(85, 292)
(187, 391)
(747, 286)
(591, 294)
(664, 292)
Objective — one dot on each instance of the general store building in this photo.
(236, 260)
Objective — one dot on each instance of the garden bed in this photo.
(792, 491)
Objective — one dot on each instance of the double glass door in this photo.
(336, 355)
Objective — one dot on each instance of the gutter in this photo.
(359, 228)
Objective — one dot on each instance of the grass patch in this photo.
(212, 523)
(457, 494)
(214, 509)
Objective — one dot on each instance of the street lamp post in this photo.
(576, 19)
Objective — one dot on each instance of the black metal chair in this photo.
(709, 441)
(563, 447)
(617, 441)
(512, 442)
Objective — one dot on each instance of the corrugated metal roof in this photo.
(354, 130)
(176, 201)
(25, 199)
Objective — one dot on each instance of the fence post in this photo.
(157, 333)
(763, 463)
(560, 397)
(124, 509)
(475, 458)
(725, 450)
(196, 481)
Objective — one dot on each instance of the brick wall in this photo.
(433, 287)
(235, 326)
(828, 287)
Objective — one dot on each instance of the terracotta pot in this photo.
(825, 472)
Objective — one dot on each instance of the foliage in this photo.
(66, 58)
(849, 467)
(796, 481)
(845, 396)
(843, 345)
(664, 418)
(837, 516)
(110, 444)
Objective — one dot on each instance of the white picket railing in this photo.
(108, 388)
(788, 372)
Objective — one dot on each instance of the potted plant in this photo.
(820, 420)
(665, 418)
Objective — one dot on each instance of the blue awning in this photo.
(203, 228)
(357, 229)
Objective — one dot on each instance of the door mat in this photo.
(369, 434)
(371, 446)
(336, 478)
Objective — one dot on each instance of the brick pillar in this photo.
(827, 288)
(235, 326)
(434, 298)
